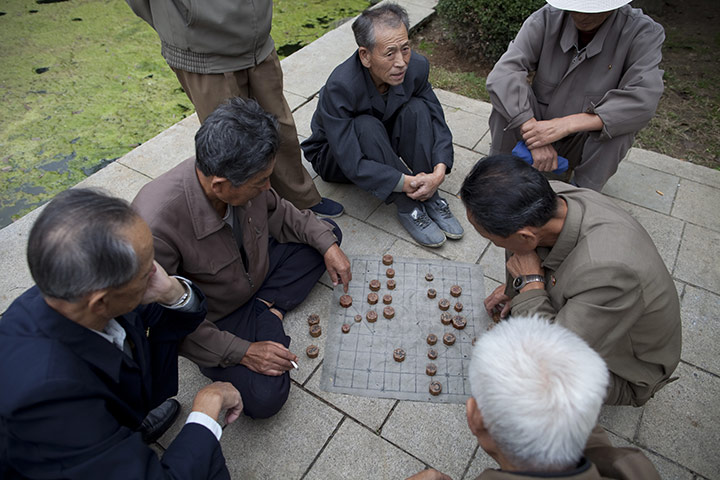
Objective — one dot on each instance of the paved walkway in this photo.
(323, 435)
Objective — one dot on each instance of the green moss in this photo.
(106, 88)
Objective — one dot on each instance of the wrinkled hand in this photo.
(161, 287)
(429, 474)
(424, 186)
(545, 159)
(216, 397)
(541, 133)
(524, 264)
(268, 358)
(338, 266)
(497, 301)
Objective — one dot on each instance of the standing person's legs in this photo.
(289, 179)
(207, 91)
(600, 160)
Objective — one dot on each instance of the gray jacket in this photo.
(210, 36)
(616, 76)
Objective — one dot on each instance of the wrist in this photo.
(178, 294)
(209, 402)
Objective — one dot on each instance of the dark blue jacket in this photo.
(334, 149)
(71, 401)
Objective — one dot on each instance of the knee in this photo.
(368, 126)
(416, 108)
(336, 230)
(265, 395)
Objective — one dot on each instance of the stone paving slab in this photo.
(303, 115)
(469, 105)
(464, 160)
(483, 145)
(355, 452)
(701, 328)
(357, 202)
(294, 101)
(697, 261)
(698, 204)
(621, 420)
(674, 166)
(640, 185)
(467, 128)
(118, 180)
(16, 276)
(682, 422)
(435, 433)
(493, 262)
(668, 470)
(369, 411)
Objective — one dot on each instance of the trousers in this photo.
(294, 270)
(263, 83)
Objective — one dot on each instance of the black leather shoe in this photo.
(159, 420)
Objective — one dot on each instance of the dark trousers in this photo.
(408, 134)
(294, 270)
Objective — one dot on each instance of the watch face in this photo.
(517, 282)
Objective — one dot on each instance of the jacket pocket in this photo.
(186, 9)
(543, 90)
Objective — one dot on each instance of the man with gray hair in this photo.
(216, 220)
(92, 348)
(379, 125)
(537, 389)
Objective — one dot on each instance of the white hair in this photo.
(539, 388)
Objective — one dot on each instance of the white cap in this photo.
(587, 6)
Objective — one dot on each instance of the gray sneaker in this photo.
(439, 210)
(421, 227)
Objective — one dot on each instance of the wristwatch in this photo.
(523, 280)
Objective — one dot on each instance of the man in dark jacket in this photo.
(221, 49)
(379, 125)
(90, 350)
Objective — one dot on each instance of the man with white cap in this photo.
(596, 84)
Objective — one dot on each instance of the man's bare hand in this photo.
(541, 133)
(162, 287)
(497, 301)
(338, 266)
(425, 185)
(429, 474)
(216, 397)
(268, 358)
(545, 158)
(525, 264)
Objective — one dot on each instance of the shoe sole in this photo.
(431, 245)
(453, 236)
(322, 215)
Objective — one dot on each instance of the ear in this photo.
(474, 417)
(529, 236)
(98, 303)
(218, 184)
(365, 55)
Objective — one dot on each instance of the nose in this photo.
(400, 60)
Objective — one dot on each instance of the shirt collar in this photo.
(568, 238)
(569, 36)
(204, 218)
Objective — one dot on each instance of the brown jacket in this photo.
(602, 462)
(192, 240)
(606, 282)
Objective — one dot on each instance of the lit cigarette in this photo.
(295, 365)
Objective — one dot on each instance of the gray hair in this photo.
(237, 141)
(388, 14)
(75, 246)
(539, 388)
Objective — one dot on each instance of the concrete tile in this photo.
(403, 248)
(118, 180)
(354, 452)
(682, 422)
(450, 99)
(697, 262)
(698, 204)
(639, 185)
(283, 446)
(306, 71)
(674, 166)
(483, 146)
(294, 101)
(664, 230)
(165, 150)
(423, 3)
(481, 462)
(296, 327)
(369, 411)
(308, 166)
(417, 13)
(467, 128)
(490, 285)
(464, 161)
(357, 202)
(467, 249)
(303, 115)
(665, 467)
(435, 433)
(493, 263)
(621, 420)
(701, 328)
(361, 238)
(16, 276)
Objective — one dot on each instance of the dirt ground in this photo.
(687, 123)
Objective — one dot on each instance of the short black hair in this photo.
(75, 245)
(387, 14)
(237, 141)
(503, 194)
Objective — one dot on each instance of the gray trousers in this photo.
(592, 160)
